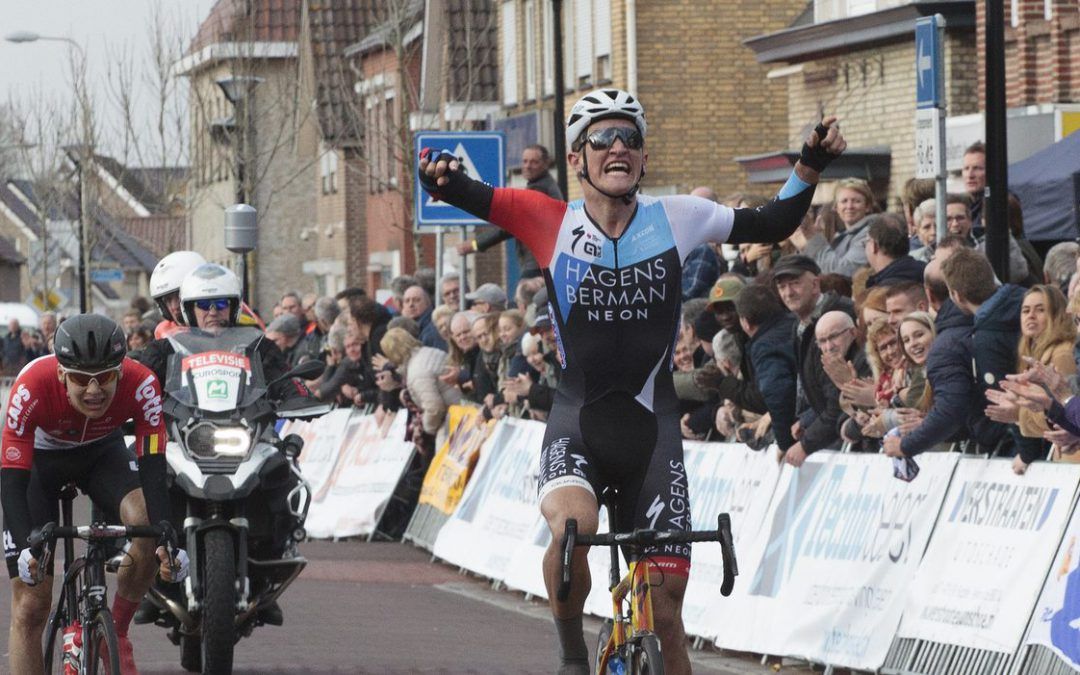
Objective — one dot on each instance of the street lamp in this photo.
(238, 89)
(25, 36)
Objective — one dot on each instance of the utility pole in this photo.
(995, 204)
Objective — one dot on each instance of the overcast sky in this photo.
(105, 29)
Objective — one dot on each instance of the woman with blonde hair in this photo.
(420, 368)
(845, 252)
(1047, 333)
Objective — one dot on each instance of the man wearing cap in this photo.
(488, 298)
(743, 391)
(796, 281)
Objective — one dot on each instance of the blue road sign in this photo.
(481, 153)
(928, 69)
(106, 275)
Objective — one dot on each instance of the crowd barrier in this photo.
(969, 568)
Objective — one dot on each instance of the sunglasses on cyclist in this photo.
(83, 378)
(221, 304)
(602, 139)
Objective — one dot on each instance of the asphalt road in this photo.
(387, 608)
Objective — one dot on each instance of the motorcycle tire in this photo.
(191, 653)
(647, 657)
(219, 603)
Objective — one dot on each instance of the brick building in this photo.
(296, 132)
(858, 63)
(428, 65)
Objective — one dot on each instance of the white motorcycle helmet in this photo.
(209, 282)
(167, 276)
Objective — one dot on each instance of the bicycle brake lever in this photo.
(568, 543)
(727, 551)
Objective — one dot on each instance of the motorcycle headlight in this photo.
(210, 441)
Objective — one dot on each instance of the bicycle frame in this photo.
(638, 617)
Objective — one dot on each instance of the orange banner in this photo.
(449, 472)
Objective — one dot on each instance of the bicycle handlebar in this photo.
(51, 532)
(721, 534)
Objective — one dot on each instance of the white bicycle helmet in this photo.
(209, 282)
(169, 273)
(602, 104)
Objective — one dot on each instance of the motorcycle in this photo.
(237, 485)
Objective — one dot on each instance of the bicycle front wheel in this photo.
(101, 647)
(647, 657)
(54, 637)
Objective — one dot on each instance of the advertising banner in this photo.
(351, 441)
(1057, 613)
(449, 472)
(498, 510)
(322, 445)
(845, 542)
(995, 537)
(724, 478)
(370, 462)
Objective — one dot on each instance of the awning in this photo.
(871, 164)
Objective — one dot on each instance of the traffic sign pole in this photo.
(930, 110)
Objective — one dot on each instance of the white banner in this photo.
(344, 504)
(995, 538)
(1056, 622)
(845, 539)
(322, 445)
(498, 511)
(370, 462)
(724, 478)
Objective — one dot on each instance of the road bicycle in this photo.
(83, 601)
(628, 643)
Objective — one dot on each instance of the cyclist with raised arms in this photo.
(63, 425)
(612, 263)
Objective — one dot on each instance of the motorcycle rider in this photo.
(209, 300)
(165, 282)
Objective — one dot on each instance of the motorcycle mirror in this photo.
(308, 370)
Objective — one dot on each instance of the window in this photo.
(549, 49)
(569, 81)
(530, 50)
(328, 171)
(583, 38)
(510, 49)
(602, 10)
(857, 7)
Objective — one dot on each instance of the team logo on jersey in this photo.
(591, 247)
(147, 394)
(12, 454)
(16, 410)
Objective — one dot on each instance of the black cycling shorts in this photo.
(615, 441)
(106, 470)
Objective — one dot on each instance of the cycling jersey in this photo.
(616, 306)
(40, 418)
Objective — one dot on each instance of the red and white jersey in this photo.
(40, 416)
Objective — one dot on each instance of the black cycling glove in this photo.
(817, 157)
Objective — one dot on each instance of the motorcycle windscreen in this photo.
(216, 372)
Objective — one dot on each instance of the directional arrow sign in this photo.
(482, 156)
(928, 69)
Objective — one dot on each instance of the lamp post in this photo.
(239, 89)
(25, 36)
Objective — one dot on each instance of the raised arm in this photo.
(774, 222)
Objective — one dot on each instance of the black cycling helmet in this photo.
(89, 342)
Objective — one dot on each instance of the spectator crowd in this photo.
(862, 330)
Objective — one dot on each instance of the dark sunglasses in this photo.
(221, 304)
(83, 379)
(603, 139)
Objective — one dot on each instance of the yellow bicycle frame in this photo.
(639, 614)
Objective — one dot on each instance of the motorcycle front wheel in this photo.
(219, 602)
